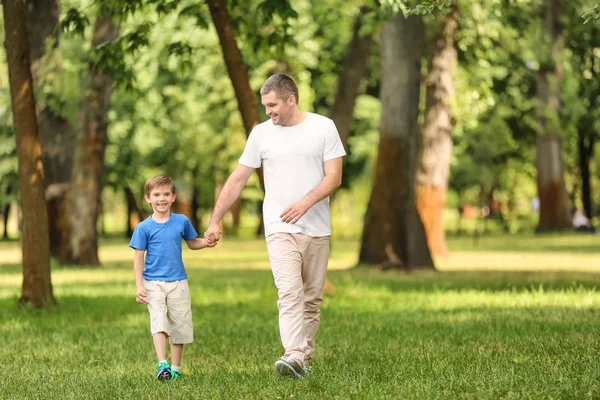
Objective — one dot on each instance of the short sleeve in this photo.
(251, 156)
(333, 144)
(139, 239)
(188, 230)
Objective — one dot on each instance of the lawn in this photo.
(508, 317)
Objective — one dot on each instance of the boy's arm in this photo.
(199, 243)
(138, 269)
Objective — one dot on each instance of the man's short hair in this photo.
(282, 85)
(157, 181)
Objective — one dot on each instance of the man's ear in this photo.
(292, 100)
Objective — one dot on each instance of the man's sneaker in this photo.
(175, 375)
(287, 367)
(163, 371)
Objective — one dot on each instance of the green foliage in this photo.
(591, 14)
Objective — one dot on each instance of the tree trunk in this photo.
(86, 182)
(54, 130)
(5, 212)
(236, 67)
(353, 72)
(133, 208)
(195, 199)
(586, 151)
(37, 285)
(554, 201)
(436, 136)
(393, 232)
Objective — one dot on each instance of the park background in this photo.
(472, 132)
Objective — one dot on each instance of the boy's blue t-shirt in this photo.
(162, 242)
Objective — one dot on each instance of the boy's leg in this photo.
(176, 353)
(160, 345)
(157, 307)
(179, 315)
(314, 273)
(286, 265)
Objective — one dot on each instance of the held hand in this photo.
(209, 243)
(293, 213)
(212, 234)
(140, 295)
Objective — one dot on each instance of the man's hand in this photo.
(212, 235)
(140, 295)
(293, 213)
(209, 243)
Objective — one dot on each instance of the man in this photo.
(301, 154)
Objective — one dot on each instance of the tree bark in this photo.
(554, 201)
(195, 199)
(236, 68)
(586, 152)
(54, 130)
(393, 232)
(37, 284)
(86, 182)
(435, 151)
(5, 212)
(133, 208)
(353, 72)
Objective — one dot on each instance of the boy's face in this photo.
(161, 198)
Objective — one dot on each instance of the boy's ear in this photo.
(147, 198)
(174, 197)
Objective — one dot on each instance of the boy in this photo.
(162, 284)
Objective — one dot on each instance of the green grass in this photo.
(515, 331)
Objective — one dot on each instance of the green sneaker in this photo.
(287, 367)
(175, 375)
(163, 371)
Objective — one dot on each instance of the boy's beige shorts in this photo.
(170, 307)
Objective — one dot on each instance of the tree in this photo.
(88, 166)
(554, 201)
(54, 129)
(393, 232)
(37, 284)
(352, 73)
(436, 135)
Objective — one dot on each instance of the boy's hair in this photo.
(157, 181)
(282, 85)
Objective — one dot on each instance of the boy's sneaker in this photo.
(163, 371)
(175, 375)
(287, 367)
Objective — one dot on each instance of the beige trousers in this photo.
(299, 265)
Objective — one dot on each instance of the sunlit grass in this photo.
(526, 327)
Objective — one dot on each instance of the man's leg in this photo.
(314, 273)
(286, 264)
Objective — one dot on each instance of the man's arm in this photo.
(138, 269)
(330, 182)
(230, 193)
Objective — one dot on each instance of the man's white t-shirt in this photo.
(293, 162)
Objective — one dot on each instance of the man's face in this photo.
(161, 198)
(280, 111)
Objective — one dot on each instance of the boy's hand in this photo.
(213, 233)
(209, 243)
(140, 295)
